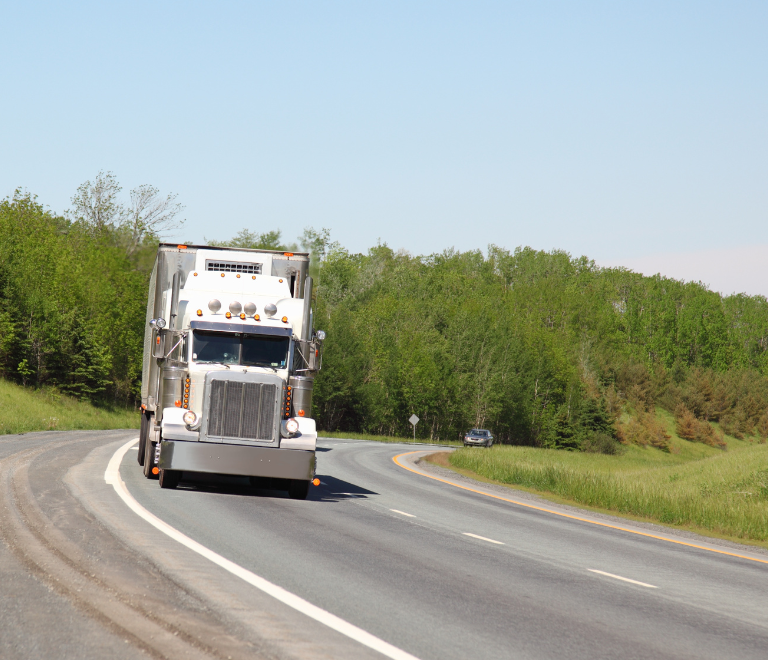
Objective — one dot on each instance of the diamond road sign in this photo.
(413, 420)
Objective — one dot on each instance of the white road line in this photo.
(403, 513)
(482, 538)
(623, 579)
(112, 476)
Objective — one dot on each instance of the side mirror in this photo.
(158, 344)
(315, 356)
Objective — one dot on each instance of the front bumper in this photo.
(476, 441)
(216, 458)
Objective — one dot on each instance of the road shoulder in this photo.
(419, 463)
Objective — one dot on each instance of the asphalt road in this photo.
(434, 570)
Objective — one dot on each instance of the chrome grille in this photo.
(242, 410)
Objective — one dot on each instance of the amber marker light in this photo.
(155, 470)
(284, 319)
(195, 274)
(253, 277)
(288, 254)
(199, 312)
(228, 315)
(238, 276)
(182, 247)
(222, 274)
(177, 403)
(315, 481)
(301, 413)
(242, 316)
(281, 281)
(256, 317)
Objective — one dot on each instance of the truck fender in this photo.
(173, 427)
(305, 439)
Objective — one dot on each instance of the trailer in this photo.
(230, 356)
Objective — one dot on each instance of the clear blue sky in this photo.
(611, 129)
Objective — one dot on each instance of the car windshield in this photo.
(238, 348)
(480, 432)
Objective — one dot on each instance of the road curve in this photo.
(431, 569)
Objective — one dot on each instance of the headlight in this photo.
(190, 418)
(289, 427)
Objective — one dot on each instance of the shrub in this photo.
(645, 430)
(601, 443)
(690, 428)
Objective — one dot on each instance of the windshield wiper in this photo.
(226, 364)
(264, 365)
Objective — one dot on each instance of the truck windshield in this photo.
(263, 351)
(238, 348)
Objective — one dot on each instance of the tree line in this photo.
(540, 347)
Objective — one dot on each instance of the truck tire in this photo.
(298, 489)
(143, 437)
(169, 478)
(149, 456)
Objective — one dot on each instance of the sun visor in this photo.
(245, 328)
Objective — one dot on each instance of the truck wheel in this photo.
(149, 459)
(298, 489)
(143, 437)
(169, 478)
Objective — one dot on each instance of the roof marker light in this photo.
(228, 315)
(242, 317)
(288, 254)
(284, 319)
(199, 312)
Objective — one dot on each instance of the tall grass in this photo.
(725, 493)
(23, 410)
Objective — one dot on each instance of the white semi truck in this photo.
(230, 356)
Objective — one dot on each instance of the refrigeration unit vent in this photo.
(233, 267)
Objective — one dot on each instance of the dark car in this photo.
(478, 438)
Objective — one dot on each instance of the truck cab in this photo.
(230, 356)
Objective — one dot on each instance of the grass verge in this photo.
(699, 488)
(23, 411)
(383, 438)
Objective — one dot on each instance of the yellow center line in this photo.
(567, 515)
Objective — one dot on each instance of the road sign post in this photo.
(413, 419)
